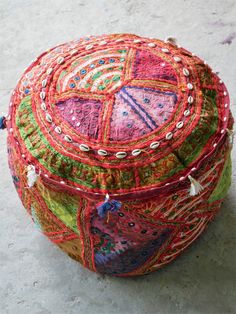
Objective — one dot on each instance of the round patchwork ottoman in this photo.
(119, 148)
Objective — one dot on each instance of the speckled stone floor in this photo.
(35, 276)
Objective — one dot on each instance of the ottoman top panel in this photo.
(118, 113)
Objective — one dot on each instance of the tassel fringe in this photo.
(2, 123)
(171, 40)
(231, 134)
(31, 175)
(108, 206)
(195, 187)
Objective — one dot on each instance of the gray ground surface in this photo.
(35, 276)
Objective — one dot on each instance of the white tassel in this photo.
(231, 134)
(31, 175)
(171, 40)
(195, 187)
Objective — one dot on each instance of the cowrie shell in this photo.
(67, 138)
(121, 155)
(152, 45)
(136, 152)
(48, 117)
(89, 47)
(187, 113)
(177, 59)
(102, 152)
(42, 95)
(102, 43)
(44, 83)
(60, 60)
(190, 86)
(74, 52)
(180, 124)
(43, 106)
(137, 41)
(165, 50)
(119, 40)
(49, 71)
(169, 135)
(58, 130)
(84, 147)
(154, 145)
(186, 72)
(190, 99)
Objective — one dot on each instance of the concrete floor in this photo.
(35, 276)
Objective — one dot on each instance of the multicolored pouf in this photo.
(119, 148)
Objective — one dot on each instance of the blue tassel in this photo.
(108, 206)
(2, 123)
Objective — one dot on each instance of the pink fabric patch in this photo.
(82, 115)
(149, 66)
(138, 111)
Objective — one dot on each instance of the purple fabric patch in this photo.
(125, 242)
(138, 111)
(82, 115)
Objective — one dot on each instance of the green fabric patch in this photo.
(62, 205)
(40, 148)
(206, 127)
(224, 182)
